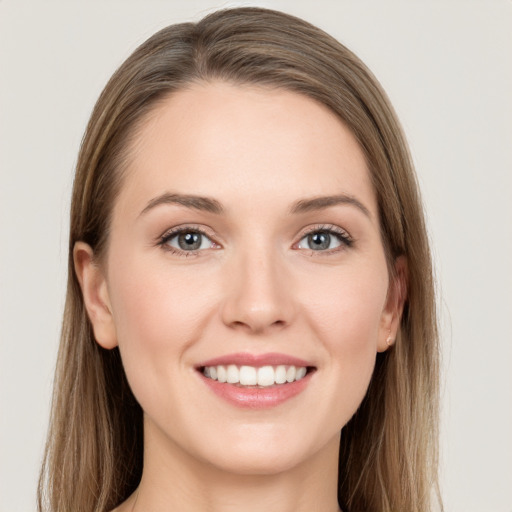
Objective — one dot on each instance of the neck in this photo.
(174, 480)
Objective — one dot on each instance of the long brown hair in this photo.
(388, 453)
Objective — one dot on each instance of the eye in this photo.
(324, 240)
(187, 240)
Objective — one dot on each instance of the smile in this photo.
(256, 381)
(263, 376)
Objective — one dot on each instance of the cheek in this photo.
(156, 307)
(347, 307)
(157, 315)
(347, 321)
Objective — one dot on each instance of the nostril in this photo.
(238, 324)
(258, 325)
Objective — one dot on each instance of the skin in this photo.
(255, 286)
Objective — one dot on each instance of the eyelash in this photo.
(330, 229)
(344, 238)
(163, 241)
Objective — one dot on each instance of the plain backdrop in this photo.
(446, 66)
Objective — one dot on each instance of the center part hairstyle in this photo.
(388, 453)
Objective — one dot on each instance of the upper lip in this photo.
(257, 360)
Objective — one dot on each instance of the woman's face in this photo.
(245, 244)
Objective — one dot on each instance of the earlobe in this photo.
(392, 314)
(95, 294)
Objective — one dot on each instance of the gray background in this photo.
(447, 68)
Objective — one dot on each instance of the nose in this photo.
(259, 294)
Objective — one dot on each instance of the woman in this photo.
(250, 318)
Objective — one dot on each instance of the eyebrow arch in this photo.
(211, 205)
(319, 203)
(190, 201)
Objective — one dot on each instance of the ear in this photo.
(95, 293)
(392, 314)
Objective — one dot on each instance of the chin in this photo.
(248, 461)
(268, 450)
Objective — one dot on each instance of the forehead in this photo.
(238, 143)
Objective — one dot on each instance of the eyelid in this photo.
(180, 228)
(330, 228)
(185, 228)
(346, 239)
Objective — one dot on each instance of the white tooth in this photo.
(290, 374)
(281, 374)
(221, 374)
(206, 371)
(213, 372)
(266, 376)
(233, 375)
(248, 376)
(301, 373)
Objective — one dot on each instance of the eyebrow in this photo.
(211, 205)
(206, 204)
(319, 203)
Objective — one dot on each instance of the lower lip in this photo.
(257, 398)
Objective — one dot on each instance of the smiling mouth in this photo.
(245, 376)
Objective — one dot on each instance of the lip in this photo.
(256, 397)
(257, 360)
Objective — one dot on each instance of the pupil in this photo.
(189, 241)
(319, 241)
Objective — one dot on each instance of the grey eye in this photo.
(190, 241)
(320, 241)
